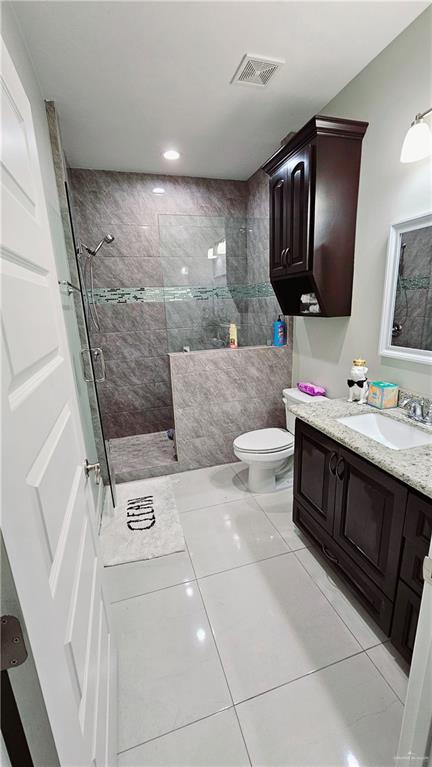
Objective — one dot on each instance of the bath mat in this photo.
(145, 523)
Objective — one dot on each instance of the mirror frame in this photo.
(386, 349)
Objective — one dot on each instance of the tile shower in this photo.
(183, 265)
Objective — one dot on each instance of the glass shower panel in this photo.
(215, 272)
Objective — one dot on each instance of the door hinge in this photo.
(13, 649)
(88, 467)
(427, 570)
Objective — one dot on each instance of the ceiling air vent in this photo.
(255, 71)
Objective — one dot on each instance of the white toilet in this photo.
(268, 452)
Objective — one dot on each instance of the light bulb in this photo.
(418, 143)
(171, 154)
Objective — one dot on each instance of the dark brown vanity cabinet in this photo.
(315, 480)
(371, 527)
(313, 208)
(368, 519)
(417, 535)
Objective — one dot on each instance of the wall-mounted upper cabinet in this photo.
(313, 208)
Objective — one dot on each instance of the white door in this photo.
(415, 745)
(47, 505)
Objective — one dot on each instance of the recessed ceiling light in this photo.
(171, 154)
(158, 190)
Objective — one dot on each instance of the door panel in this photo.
(314, 479)
(48, 508)
(405, 620)
(365, 589)
(299, 210)
(369, 517)
(278, 192)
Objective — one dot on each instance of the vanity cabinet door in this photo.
(417, 532)
(405, 619)
(278, 206)
(369, 519)
(314, 473)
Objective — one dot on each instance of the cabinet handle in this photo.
(329, 555)
(332, 463)
(340, 468)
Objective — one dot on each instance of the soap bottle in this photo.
(279, 332)
(233, 336)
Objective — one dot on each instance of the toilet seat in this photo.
(268, 441)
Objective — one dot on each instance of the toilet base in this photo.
(262, 479)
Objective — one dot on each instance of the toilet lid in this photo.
(264, 440)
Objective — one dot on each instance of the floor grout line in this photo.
(220, 503)
(302, 676)
(196, 580)
(246, 564)
(176, 729)
(220, 658)
(381, 673)
(155, 591)
(330, 603)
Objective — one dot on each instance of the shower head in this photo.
(107, 238)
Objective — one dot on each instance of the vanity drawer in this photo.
(368, 593)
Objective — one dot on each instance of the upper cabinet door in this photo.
(278, 202)
(298, 211)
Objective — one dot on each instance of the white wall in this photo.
(387, 93)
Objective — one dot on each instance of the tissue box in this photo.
(383, 395)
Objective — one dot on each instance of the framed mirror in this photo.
(406, 325)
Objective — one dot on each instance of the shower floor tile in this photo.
(140, 452)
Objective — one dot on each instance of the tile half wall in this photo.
(219, 394)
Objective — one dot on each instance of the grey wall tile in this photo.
(190, 314)
(119, 318)
(218, 395)
(133, 344)
(127, 272)
(186, 270)
(131, 241)
(196, 338)
(134, 371)
(142, 397)
(125, 423)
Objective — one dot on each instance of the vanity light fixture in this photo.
(418, 140)
(171, 154)
(158, 190)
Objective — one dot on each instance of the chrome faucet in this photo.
(418, 410)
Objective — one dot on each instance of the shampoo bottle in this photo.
(233, 336)
(279, 332)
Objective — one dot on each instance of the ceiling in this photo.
(131, 79)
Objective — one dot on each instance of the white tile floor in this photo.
(246, 649)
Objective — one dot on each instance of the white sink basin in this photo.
(387, 431)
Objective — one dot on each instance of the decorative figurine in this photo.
(358, 383)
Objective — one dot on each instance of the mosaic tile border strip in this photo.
(161, 295)
(414, 283)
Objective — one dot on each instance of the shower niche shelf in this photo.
(314, 180)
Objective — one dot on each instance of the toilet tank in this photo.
(296, 397)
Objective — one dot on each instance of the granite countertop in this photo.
(413, 466)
